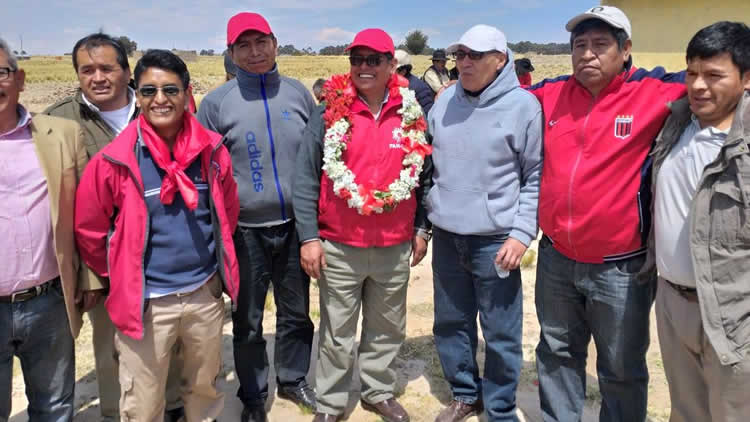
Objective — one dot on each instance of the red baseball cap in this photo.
(243, 22)
(373, 38)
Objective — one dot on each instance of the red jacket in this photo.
(375, 159)
(595, 196)
(112, 223)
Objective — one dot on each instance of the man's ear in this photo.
(746, 80)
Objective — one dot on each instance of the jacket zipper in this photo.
(273, 147)
(573, 175)
(217, 232)
(145, 234)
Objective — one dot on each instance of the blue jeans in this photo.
(271, 255)
(466, 283)
(37, 331)
(575, 301)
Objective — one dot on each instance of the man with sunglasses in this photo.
(262, 114)
(155, 213)
(487, 140)
(104, 105)
(594, 210)
(41, 281)
(359, 249)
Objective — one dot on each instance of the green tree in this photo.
(129, 45)
(416, 41)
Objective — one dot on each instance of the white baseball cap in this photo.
(402, 57)
(481, 38)
(609, 14)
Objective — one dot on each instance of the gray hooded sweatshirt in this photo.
(487, 156)
(261, 117)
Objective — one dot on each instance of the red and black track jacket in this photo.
(595, 193)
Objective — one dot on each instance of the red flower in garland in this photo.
(419, 125)
(339, 94)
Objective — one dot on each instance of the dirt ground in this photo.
(421, 386)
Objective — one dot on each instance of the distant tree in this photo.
(209, 52)
(15, 52)
(129, 45)
(23, 52)
(333, 50)
(289, 50)
(524, 47)
(416, 41)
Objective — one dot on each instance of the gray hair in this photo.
(12, 61)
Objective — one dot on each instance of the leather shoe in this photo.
(254, 414)
(325, 417)
(388, 409)
(301, 396)
(457, 411)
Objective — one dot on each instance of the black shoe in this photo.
(174, 415)
(301, 396)
(254, 414)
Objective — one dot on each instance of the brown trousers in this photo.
(701, 388)
(195, 321)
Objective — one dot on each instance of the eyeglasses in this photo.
(168, 90)
(473, 55)
(5, 73)
(372, 60)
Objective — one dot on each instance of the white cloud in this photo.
(336, 35)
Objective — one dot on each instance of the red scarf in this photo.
(190, 142)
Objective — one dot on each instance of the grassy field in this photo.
(207, 70)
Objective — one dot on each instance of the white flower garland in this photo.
(334, 144)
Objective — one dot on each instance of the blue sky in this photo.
(53, 26)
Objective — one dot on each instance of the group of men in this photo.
(626, 171)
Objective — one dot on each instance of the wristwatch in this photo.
(424, 234)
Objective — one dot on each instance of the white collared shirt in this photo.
(676, 184)
(116, 119)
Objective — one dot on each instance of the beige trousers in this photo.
(700, 387)
(373, 280)
(193, 320)
(107, 378)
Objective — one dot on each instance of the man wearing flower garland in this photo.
(488, 140)
(357, 207)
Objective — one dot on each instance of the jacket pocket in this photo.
(729, 215)
(459, 210)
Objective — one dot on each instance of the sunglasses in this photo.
(372, 60)
(473, 55)
(168, 90)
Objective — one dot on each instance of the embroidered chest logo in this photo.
(286, 115)
(623, 126)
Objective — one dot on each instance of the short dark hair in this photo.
(101, 39)
(318, 85)
(597, 24)
(719, 38)
(164, 60)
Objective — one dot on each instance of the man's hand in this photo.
(313, 258)
(418, 249)
(86, 300)
(510, 254)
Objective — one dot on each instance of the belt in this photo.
(30, 293)
(689, 293)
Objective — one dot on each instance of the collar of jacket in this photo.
(88, 113)
(739, 134)
(247, 80)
